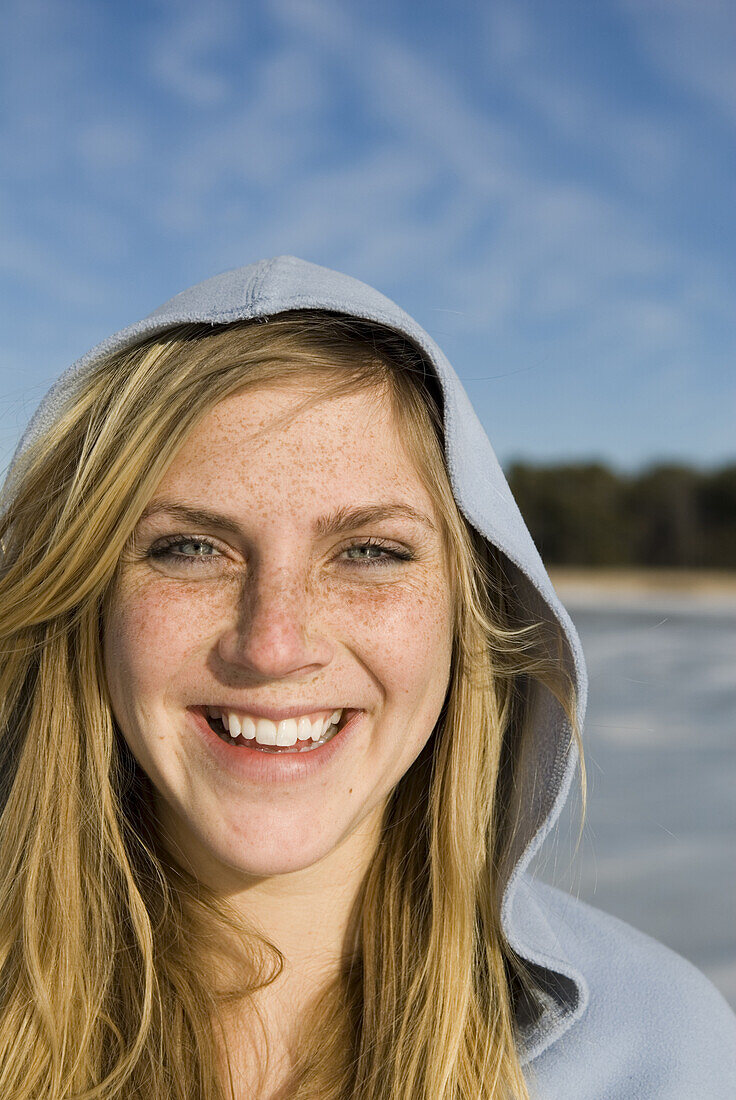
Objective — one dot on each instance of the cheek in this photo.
(144, 641)
(150, 614)
(406, 632)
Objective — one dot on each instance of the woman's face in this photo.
(280, 607)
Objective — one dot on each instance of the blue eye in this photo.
(388, 553)
(167, 551)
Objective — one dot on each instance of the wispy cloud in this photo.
(183, 54)
(693, 42)
(508, 197)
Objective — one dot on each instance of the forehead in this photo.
(343, 449)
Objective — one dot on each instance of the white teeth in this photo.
(286, 732)
(265, 732)
(304, 729)
(318, 728)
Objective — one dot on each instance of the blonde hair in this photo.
(97, 924)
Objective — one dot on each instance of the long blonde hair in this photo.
(98, 924)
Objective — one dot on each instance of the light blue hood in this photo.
(590, 966)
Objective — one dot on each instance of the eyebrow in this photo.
(334, 523)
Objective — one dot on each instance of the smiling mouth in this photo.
(217, 726)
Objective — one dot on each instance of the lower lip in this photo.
(270, 767)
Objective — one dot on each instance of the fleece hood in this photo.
(549, 755)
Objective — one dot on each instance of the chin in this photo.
(262, 849)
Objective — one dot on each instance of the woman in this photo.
(288, 705)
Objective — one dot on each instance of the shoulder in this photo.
(655, 1028)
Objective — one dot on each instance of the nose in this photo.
(275, 634)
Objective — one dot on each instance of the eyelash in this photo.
(163, 551)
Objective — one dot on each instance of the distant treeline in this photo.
(666, 515)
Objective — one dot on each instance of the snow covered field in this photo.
(659, 846)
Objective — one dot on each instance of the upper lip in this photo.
(276, 714)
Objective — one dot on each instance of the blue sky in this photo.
(546, 187)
